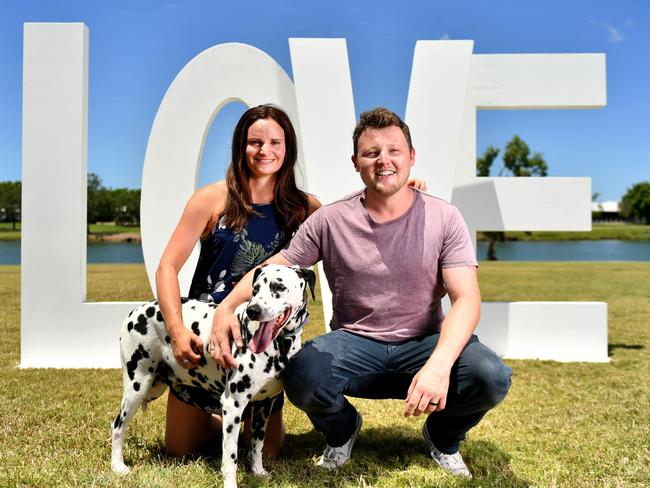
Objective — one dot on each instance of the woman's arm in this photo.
(199, 213)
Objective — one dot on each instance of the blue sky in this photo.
(138, 47)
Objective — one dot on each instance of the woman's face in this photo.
(265, 148)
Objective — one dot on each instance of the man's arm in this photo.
(225, 324)
(428, 390)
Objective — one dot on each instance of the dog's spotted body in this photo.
(271, 324)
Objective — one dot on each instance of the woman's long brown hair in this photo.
(291, 204)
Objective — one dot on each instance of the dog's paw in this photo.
(259, 471)
(121, 469)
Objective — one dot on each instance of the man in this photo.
(390, 254)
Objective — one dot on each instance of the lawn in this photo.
(626, 232)
(7, 233)
(573, 425)
(112, 229)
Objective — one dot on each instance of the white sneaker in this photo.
(334, 457)
(452, 463)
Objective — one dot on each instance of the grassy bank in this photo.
(7, 232)
(95, 231)
(569, 425)
(625, 232)
(112, 229)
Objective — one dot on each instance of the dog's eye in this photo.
(276, 287)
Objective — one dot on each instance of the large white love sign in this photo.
(448, 84)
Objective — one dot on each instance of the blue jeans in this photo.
(341, 363)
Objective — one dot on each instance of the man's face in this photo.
(384, 160)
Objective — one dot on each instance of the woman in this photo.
(240, 222)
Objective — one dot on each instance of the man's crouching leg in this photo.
(314, 382)
(479, 382)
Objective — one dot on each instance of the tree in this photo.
(100, 206)
(120, 205)
(10, 201)
(126, 206)
(635, 204)
(517, 160)
(484, 163)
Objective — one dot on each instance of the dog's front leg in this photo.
(260, 413)
(232, 409)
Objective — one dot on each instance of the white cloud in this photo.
(614, 35)
(444, 37)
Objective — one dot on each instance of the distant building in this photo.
(606, 212)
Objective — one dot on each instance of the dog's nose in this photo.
(253, 311)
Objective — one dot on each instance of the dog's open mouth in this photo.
(267, 332)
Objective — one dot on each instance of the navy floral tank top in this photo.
(226, 256)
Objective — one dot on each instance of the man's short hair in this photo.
(379, 118)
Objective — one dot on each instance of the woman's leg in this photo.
(189, 429)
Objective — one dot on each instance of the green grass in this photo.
(7, 234)
(626, 232)
(7, 226)
(112, 229)
(569, 425)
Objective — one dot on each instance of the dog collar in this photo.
(298, 329)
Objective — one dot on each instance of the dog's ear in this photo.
(257, 273)
(310, 278)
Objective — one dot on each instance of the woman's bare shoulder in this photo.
(208, 201)
(314, 203)
(212, 191)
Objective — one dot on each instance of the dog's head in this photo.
(279, 303)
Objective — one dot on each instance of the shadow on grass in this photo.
(633, 347)
(381, 455)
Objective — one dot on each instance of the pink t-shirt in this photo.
(386, 278)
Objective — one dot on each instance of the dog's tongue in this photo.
(262, 338)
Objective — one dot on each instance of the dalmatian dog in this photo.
(271, 325)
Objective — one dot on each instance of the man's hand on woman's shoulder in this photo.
(417, 184)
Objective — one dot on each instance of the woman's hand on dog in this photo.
(224, 327)
(187, 348)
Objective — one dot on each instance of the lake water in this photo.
(131, 252)
(98, 252)
(606, 250)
